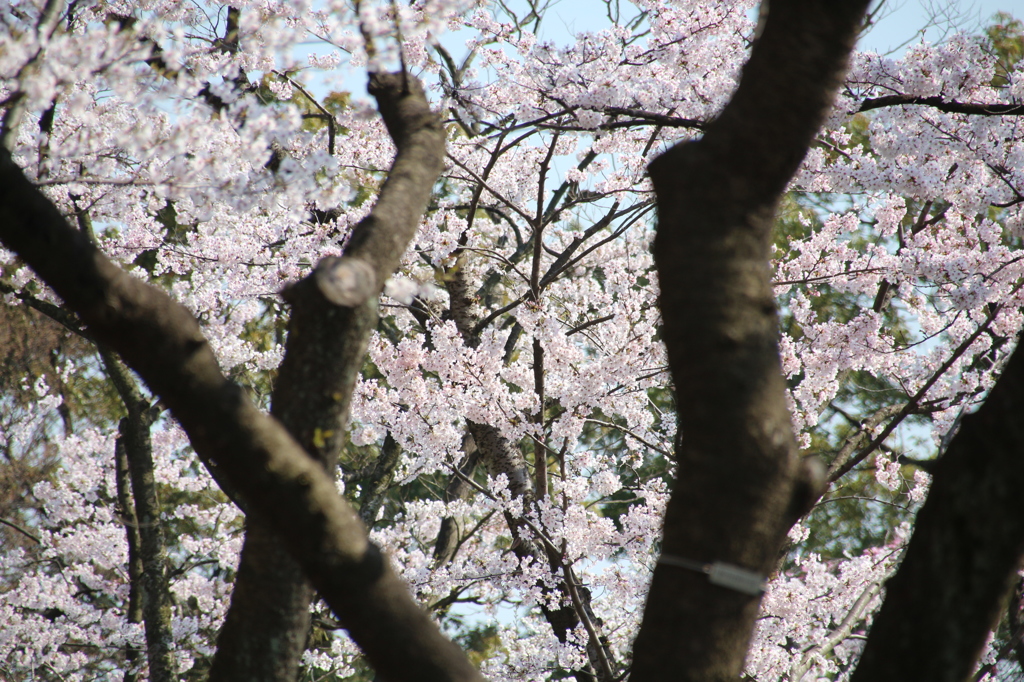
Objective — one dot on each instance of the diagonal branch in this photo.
(842, 456)
(54, 312)
(283, 485)
(840, 468)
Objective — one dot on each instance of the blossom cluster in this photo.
(208, 158)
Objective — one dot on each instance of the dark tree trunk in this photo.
(152, 591)
(264, 633)
(740, 482)
(126, 508)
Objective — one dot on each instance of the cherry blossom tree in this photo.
(316, 387)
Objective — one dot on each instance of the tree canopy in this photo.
(675, 349)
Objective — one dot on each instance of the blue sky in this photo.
(905, 19)
(902, 23)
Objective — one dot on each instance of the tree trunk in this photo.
(153, 589)
(740, 482)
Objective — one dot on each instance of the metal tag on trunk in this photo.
(736, 578)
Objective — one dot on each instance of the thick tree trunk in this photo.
(740, 482)
(265, 632)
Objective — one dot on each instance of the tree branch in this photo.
(948, 106)
(839, 469)
(14, 526)
(966, 549)
(842, 456)
(54, 312)
(283, 485)
(264, 634)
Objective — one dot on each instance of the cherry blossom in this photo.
(199, 146)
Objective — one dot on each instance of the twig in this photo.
(632, 435)
(853, 616)
(21, 530)
(838, 472)
(588, 324)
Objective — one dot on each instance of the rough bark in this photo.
(740, 482)
(126, 509)
(264, 634)
(502, 457)
(279, 481)
(153, 587)
(450, 534)
(967, 547)
(265, 631)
